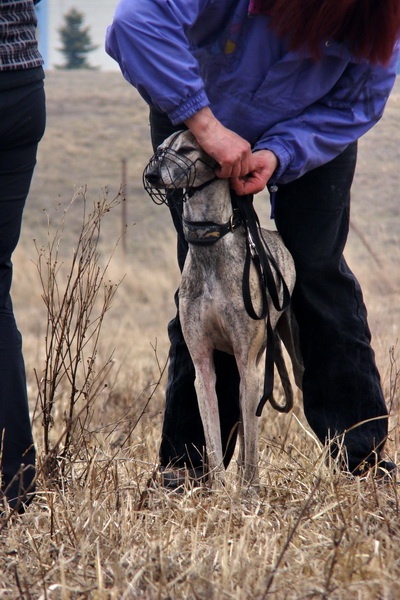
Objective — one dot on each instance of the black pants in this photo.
(22, 122)
(341, 384)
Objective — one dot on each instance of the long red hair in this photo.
(369, 27)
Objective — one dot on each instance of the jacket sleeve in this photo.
(148, 39)
(326, 128)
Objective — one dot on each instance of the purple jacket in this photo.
(183, 55)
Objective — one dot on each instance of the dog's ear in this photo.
(174, 140)
(188, 143)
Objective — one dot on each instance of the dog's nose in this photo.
(152, 177)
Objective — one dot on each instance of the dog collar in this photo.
(206, 233)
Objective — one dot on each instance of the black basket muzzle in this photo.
(166, 172)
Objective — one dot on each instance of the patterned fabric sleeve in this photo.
(18, 43)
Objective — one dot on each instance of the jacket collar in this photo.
(259, 7)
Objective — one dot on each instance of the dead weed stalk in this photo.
(77, 295)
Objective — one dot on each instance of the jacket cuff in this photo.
(283, 155)
(189, 108)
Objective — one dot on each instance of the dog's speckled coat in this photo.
(211, 306)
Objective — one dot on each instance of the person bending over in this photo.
(278, 92)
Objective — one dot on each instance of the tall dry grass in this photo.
(99, 532)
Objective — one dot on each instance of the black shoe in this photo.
(179, 478)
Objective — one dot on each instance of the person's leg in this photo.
(22, 118)
(341, 385)
(183, 443)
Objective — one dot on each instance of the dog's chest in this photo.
(213, 276)
(211, 298)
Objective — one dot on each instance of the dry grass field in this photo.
(93, 531)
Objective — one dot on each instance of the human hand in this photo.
(264, 163)
(248, 172)
(229, 150)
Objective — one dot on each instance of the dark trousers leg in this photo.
(182, 435)
(341, 385)
(22, 119)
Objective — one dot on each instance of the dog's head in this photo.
(179, 163)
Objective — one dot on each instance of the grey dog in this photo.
(211, 305)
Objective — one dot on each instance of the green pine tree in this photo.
(76, 41)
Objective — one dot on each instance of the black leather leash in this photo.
(259, 253)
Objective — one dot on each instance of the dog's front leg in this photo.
(248, 456)
(208, 406)
(250, 431)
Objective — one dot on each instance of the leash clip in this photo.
(252, 246)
